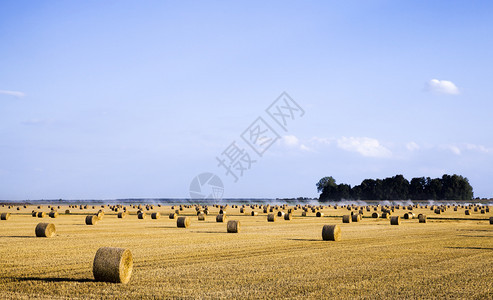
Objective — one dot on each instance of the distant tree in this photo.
(449, 187)
(343, 191)
(417, 188)
(325, 181)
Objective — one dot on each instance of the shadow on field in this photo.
(53, 279)
(160, 227)
(479, 236)
(19, 237)
(306, 240)
(209, 232)
(471, 248)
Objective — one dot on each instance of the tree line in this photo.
(449, 187)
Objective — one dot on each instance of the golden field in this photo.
(450, 256)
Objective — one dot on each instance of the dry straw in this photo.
(201, 216)
(375, 215)
(395, 220)
(320, 214)
(356, 218)
(280, 214)
(422, 218)
(491, 220)
(141, 215)
(41, 214)
(331, 233)
(221, 218)
(467, 212)
(183, 222)
(45, 230)
(254, 213)
(408, 216)
(5, 216)
(112, 265)
(271, 217)
(122, 215)
(288, 216)
(67, 212)
(91, 220)
(173, 215)
(346, 219)
(53, 214)
(155, 215)
(233, 226)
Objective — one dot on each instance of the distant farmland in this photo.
(450, 255)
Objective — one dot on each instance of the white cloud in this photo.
(412, 146)
(479, 148)
(455, 150)
(290, 140)
(442, 87)
(363, 145)
(13, 93)
(321, 140)
(293, 142)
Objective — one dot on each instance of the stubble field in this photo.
(446, 257)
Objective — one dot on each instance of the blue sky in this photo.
(121, 99)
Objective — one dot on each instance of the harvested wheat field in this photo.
(449, 256)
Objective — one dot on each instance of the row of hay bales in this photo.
(202, 211)
(115, 265)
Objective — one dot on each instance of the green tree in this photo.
(325, 181)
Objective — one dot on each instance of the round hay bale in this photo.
(121, 215)
(386, 215)
(408, 216)
(422, 218)
(346, 219)
(53, 214)
(491, 220)
(221, 218)
(395, 220)
(183, 222)
(201, 216)
(271, 217)
(304, 213)
(112, 265)
(45, 230)
(41, 214)
(438, 211)
(331, 233)
(5, 216)
(467, 212)
(482, 211)
(67, 212)
(375, 215)
(254, 213)
(320, 214)
(233, 226)
(288, 216)
(356, 218)
(141, 215)
(155, 215)
(91, 220)
(173, 215)
(34, 214)
(280, 214)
